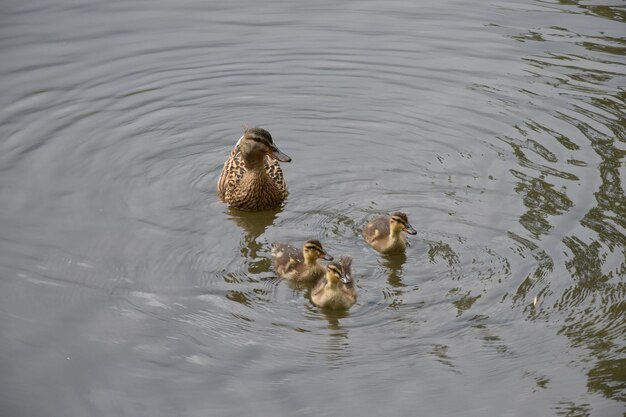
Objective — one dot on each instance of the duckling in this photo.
(336, 290)
(300, 265)
(385, 233)
(252, 179)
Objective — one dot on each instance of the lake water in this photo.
(128, 289)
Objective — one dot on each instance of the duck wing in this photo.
(284, 251)
(233, 171)
(377, 228)
(318, 289)
(286, 258)
(272, 167)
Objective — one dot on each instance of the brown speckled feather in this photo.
(232, 190)
(232, 172)
(272, 167)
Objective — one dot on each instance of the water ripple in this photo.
(498, 132)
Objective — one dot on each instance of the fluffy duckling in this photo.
(385, 233)
(300, 265)
(252, 179)
(336, 290)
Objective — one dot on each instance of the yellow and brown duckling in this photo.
(252, 179)
(336, 290)
(385, 233)
(300, 265)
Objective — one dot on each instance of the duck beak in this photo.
(409, 229)
(326, 257)
(277, 154)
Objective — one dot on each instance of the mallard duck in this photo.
(300, 265)
(252, 179)
(385, 233)
(336, 290)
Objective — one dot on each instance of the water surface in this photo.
(127, 289)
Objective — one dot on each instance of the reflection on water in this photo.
(463, 300)
(488, 335)
(338, 350)
(253, 225)
(595, 253)
(554, 181)
(334, 321)
(441, 353)
(444, 251)
(394, 264)
(332, 342)
(393, 269)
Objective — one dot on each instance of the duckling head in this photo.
(399, 222)
(256, 143)
(313, 250)
(334, 273)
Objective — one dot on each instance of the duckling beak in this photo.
(326, 257)
(409, 229)
(277, 154)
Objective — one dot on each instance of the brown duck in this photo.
(252, 179)
(385, 233)
(335, 290)
(301, 265)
